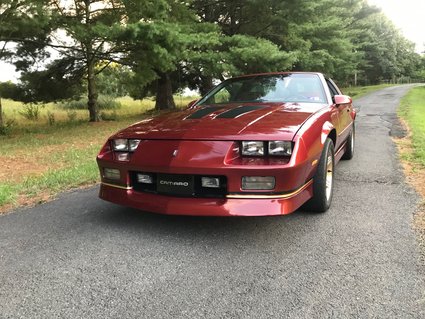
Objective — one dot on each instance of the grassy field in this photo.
(40, 158)
(56, 152)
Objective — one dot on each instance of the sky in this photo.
(407, 15)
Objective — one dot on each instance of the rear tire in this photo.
(349, 147)
(323, 181)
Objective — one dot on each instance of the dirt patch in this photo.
(27, 201)
(415, 175)
(15, 168)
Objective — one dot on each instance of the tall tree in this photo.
(244, 45)
(18, 20)
(84, 33)
(87, 24)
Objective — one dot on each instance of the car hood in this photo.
(253, 121)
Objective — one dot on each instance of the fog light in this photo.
(258, 182)
(145, 178)
(211, 182)
(123, 157)
(111, 173)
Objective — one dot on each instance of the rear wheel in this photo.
(349, 147)
(323, 181)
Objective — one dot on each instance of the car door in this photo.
(344, 115)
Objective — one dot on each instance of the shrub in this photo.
(108, 103)
(72, 116)
(109, 116)
(6, 127)
(51, 118)
(104, 102)
(31, 111)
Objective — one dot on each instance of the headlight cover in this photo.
(280, 148)
(125, 145)
(252, 148)
(267, 148)
(133, 144)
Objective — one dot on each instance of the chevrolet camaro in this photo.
(263, 144)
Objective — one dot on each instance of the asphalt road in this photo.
(80, 257)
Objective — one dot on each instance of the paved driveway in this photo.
(80, 257)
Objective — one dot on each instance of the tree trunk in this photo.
(206, 84)
(1, 113)
(92, 92)
(164, 93)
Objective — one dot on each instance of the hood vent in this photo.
(233, 113)
(203, 112)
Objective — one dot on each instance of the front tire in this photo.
(323, 181)
(349, 147)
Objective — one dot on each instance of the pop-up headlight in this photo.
(125, 145)
(280, 148)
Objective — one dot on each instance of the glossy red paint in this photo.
(175, 143)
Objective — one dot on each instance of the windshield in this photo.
(304, 88)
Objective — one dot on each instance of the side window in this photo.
(222, 97)
(332, 88)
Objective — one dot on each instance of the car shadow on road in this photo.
(233, 228)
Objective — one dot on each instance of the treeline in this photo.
(157, 47)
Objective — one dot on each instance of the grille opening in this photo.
(193, 189)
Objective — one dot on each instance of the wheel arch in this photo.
(332, 136)
(328, 130)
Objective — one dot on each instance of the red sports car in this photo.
(262, 144)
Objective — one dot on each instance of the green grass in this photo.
(7, 193)
(62, 153)
(412, 110)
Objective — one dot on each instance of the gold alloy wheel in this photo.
(329, 175)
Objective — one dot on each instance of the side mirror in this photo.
(342, 99)
(192, 103)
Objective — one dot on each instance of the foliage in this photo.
(6, 127)
(112, 81)
(155, 48)
(51, 118)
(72, 115)
(105, 102)
(62, 79)
(109, 116)
(9, 90)
(31, 111)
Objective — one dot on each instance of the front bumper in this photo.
(207, 158)
(232, 205)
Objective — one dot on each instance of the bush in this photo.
(104, 102)
(72, 115)
(109, 116)
(31, 111)
(6, 127)
(51, 118)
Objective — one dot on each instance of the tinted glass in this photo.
(304, 88)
